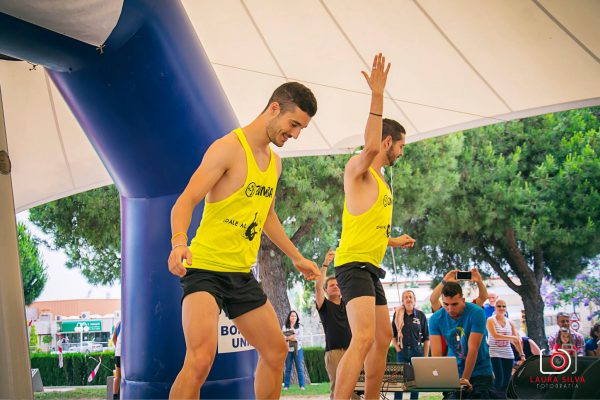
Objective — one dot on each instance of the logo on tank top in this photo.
(387, 228)
(258, 190)
(251, 231)
(387, 200)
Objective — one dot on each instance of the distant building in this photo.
(82, 320)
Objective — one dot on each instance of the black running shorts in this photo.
(357, 279)
(235, 292)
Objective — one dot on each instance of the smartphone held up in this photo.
(463, 275)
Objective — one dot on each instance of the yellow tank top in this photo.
(228, 237)
(365, 236)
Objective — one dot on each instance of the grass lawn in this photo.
(77, 393)
(322, 389)
(316, 389)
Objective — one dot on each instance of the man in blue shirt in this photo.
(463, 326)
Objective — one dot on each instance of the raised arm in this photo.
(360, 164)
(483, 294)
(319, 290)
(215, 163)
(434, 299)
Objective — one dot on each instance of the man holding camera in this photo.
(462, 325)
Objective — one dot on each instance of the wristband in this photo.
(443, 282)
(179, 234)
(323, 265)
(178, 245)
(375, 114)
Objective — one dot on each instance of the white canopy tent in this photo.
(455, 65)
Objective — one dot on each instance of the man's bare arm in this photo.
(434, 299)
(360, 164)
(436, 345)
(276, 233)
(483, 294)
(474, 343)
(319, 291)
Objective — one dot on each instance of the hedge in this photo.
(314, 358)
(76, 368)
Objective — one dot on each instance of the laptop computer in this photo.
(435, 372)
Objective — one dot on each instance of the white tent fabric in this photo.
(455, 65)
(90, 21)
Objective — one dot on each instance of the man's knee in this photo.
(276, 354)
(362, 341)
(384, 338)
(198, 363)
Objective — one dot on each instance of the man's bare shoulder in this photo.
(353, 169)
(228, 146)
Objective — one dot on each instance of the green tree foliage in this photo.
(521, 200)
(33, 338)
(33, 270)
(87, 226)
(309, 202)
(582, 290)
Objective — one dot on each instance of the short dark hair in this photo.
(392, 128)
(328, 279)
(451, 289)
(294, 94)
(562, 314)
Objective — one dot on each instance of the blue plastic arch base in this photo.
(150, 104)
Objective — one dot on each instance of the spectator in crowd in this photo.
(434, 299)
(463, 327)
(332, 312)
(502, 332)
(591, 345)
(411, 333)
(116, 339)
(482, 296)
(563, 320)
(292, 332)
(565, 341)
(490, 307)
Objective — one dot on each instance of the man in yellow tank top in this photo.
(366, 228)
(239, 206)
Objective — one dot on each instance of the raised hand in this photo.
(379, 74)
(329, 257)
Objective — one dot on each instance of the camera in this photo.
(463, 275)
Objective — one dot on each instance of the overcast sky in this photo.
(64, 283)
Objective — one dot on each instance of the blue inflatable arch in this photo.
(150, 104)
